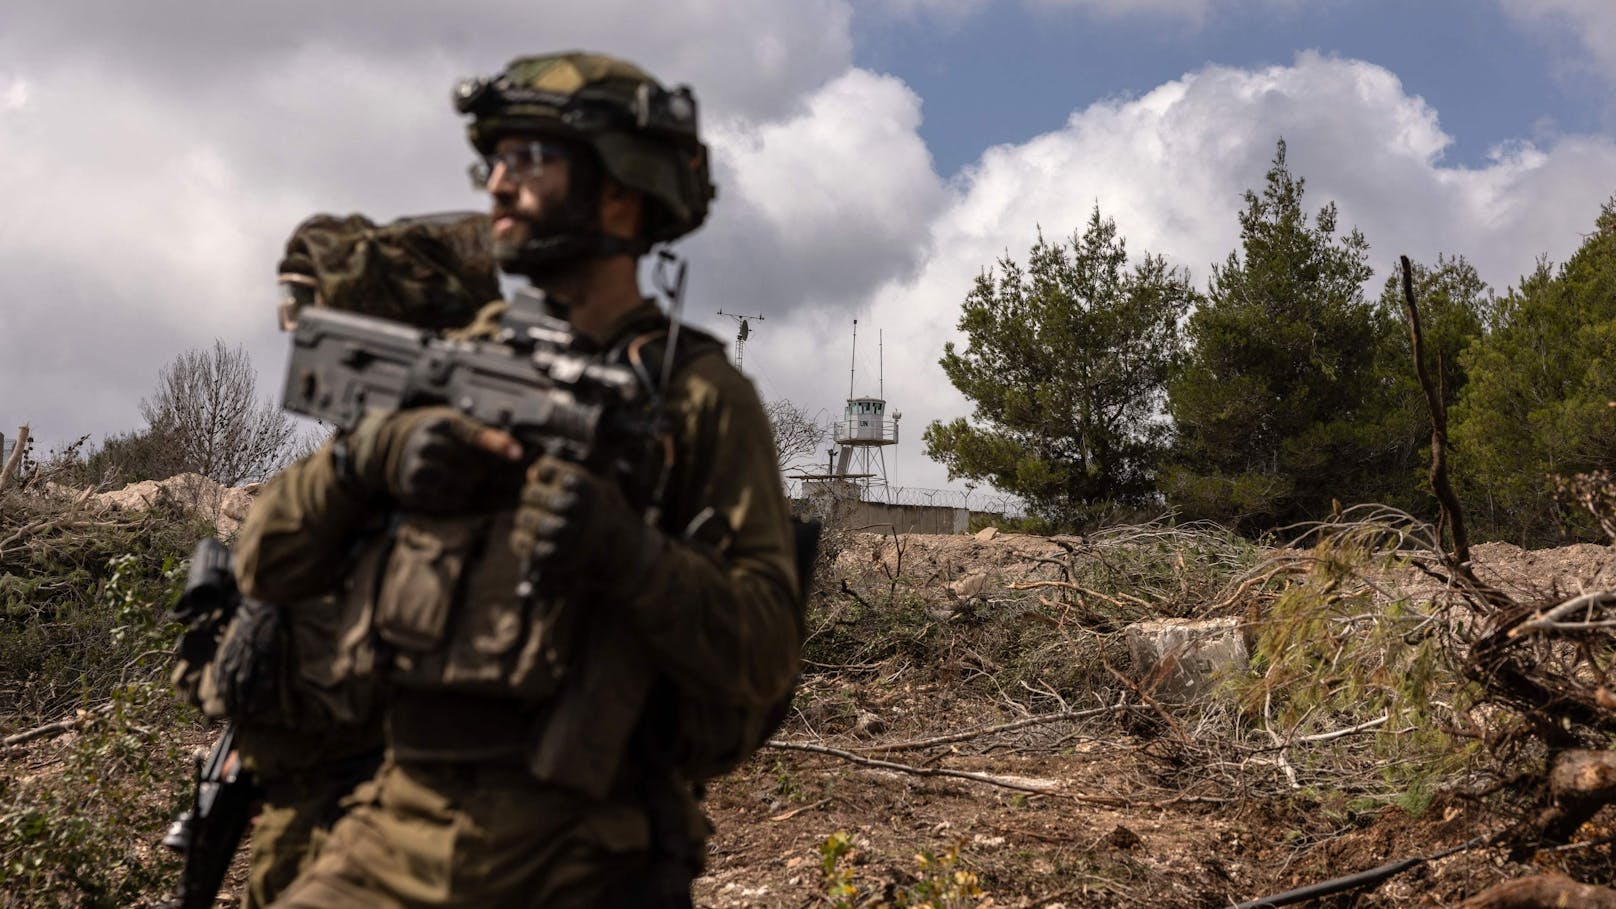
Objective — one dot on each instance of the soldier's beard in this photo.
(548, 249)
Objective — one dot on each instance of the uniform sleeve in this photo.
(724, 620)
(296, 539)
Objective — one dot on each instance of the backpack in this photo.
(429, 271)
(714, 739)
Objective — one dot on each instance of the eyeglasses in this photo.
(521, 162)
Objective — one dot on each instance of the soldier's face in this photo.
(527, 182)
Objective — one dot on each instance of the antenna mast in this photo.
(743, 332)
(881, 363)
(854, 364)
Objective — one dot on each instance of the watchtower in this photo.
(864, 433)
(862, 437)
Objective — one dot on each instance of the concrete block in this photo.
(973, 586)
(1179, 660)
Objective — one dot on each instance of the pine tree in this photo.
(1065, 363)
(1271, 411)
(1537, 404)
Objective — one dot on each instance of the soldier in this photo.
(304, 741)
(545, 749)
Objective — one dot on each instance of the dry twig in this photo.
(1020, 784)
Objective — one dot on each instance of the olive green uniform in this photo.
(304, 778)
(518, 767)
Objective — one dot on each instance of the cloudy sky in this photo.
(872, 155)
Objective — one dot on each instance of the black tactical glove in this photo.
(577, 531)
(429, 460)
(245, 668)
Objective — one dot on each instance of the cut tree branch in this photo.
(10, 468)
(1545, 891)
(1040, 720)
(1020, 784)
(1551, 619)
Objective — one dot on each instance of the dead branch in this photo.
(53, 729)
(1340, 733)
(1023, 723)
(40, 732)
(1079, 588)
(68, 519)
(1020, 784)
(1447, 502)
(1178, 729)
(1580, 783)
(10, 468)
(1550, 620)
(1246, 585)
(1545, 891)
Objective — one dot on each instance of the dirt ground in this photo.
(1112, 825)
(1089, 812)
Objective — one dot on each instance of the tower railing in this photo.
(866, 430)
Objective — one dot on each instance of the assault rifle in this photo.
(536, 382)
(208, 833)
(532, 381)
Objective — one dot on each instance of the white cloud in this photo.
(748, 56)
(1590, 23)
(1190, 12)
(1170, 167)
(154, 159)
(14, 94)
(823, 205)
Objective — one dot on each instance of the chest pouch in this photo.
(448, 613)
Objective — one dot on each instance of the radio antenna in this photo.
(853, 365)
(743, 332)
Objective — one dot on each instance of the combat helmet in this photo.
(643, 135)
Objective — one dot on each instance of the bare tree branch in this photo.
(207, 405)
(797, 436)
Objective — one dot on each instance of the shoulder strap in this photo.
(646, 351)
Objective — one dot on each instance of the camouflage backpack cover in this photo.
(430, 271)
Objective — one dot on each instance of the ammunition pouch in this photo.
(242, 680)
(446, 616)
(265, 665)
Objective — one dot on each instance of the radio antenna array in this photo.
(743, 331)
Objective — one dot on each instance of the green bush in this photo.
(85, 833)
(84, 599)
(85, 637)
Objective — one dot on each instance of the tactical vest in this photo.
(433, 605)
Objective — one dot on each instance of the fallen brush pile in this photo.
(1361, 728)
(976, 725)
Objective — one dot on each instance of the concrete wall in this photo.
(903, 518)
